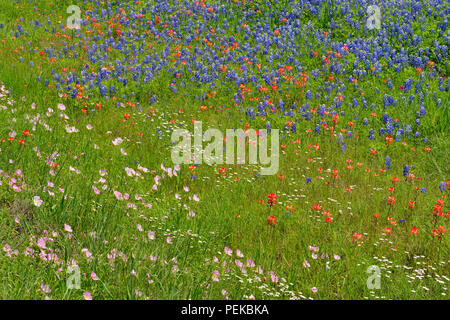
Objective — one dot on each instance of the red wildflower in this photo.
(271, 199)
(356, 236)
(391, 200)
(411, 204)
(271, 220)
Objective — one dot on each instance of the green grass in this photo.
(229, 213)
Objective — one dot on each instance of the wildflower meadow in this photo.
(215, 150)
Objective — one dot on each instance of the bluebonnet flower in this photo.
(308, 94)
(388, 162)
(294, 128)
(422, 110)
(405, 171)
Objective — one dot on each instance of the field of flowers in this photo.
(92, 206)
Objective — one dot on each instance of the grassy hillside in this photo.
(87, 178)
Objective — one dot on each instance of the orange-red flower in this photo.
(356, 236)
(271, 199)
(391, 200)
(271, 220)
(411, 204)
